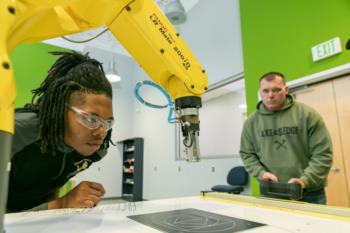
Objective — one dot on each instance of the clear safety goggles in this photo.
(91, 121)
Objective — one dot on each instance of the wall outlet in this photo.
(212, 169)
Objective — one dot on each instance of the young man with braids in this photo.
(65, 129)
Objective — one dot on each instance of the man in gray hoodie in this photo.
(286, 141)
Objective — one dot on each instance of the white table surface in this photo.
(113, 218)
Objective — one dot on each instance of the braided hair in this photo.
(72, 76)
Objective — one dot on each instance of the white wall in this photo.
(221, 118)
(164, 176)
(213, 32)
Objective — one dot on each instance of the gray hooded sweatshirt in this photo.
(292, 142)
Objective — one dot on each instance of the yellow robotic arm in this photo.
(141, 28)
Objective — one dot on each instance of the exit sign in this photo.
(326, 49)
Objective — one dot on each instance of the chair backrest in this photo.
(237, 176)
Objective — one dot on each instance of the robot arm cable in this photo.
(170, 103)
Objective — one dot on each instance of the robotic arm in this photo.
(148, 36)
(141, 28)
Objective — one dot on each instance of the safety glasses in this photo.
(89, 120)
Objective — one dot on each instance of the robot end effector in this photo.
(188, 115)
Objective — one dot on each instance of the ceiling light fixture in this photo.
(112, 74)
(174, 10)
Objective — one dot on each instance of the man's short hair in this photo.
(272, 76)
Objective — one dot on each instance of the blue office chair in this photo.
(237, 178)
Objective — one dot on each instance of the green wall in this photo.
(31, 63)
(278, 36)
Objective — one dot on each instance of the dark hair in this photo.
(272, 76)
(71, 73)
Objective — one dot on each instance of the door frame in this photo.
(319, 77)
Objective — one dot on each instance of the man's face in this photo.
(273, 93)
(80, 117)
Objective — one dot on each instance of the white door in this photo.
(324, 98)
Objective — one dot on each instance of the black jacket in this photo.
(35, 178)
